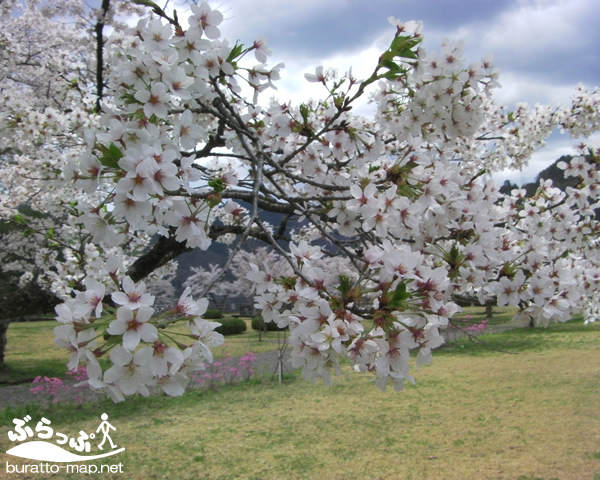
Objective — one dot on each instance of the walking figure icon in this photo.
(105, 427)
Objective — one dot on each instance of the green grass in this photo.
(475, 315)
(474, 413)
(519, 340)
(31, 351)
(250, 341)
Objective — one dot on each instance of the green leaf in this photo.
(509, 270)
(236, 51)
(387, 56)
(403, 46)
(288, 283)
(29, 211)
(129, 99)
(344, 286)
(400, 43)
(112, 340)
(217, 185)
(18, 219)
(407, 54)
(455, 259)
(145, 3)
(110, 155)
(304, 112)
(390, 65)
(393, 75)
(399, 297)
(213, 199)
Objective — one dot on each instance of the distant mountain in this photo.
(555, 174)
(550, 173)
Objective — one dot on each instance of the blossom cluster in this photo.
(410, 305)
(141, 353)
(166, 90)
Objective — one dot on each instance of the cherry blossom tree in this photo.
(51, 81)
(185, 147)
(212, 283)
(249, 267)
(38, 81)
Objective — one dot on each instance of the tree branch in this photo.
(100, 54)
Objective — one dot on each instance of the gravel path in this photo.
(265, 364)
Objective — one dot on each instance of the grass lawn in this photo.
(475, 413)
(31, 351)
(474, 315)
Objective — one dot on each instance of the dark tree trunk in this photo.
(3, 329)
(161, 252)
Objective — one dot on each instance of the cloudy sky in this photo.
(543, 48)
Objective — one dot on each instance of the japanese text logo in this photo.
(46, 444)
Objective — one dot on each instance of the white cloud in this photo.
(543, 48)
(295, 87)
(531, 89)
(557, 146)
(309, 27)
(550, 39)
(533, 27)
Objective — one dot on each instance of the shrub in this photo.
(231, 326)
(259, 324)
(212, 314)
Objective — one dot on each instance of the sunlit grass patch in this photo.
(31, 351)
(476, 314)
(523, 339)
